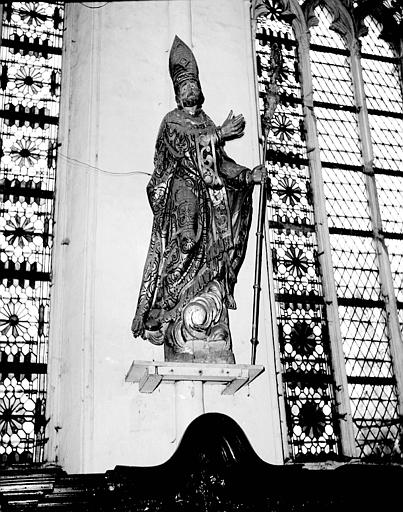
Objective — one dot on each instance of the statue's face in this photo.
(189, 93)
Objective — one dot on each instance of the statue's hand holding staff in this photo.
(258, 174)
(233, 127)
(137, 327)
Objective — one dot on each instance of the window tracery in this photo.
(365, 310)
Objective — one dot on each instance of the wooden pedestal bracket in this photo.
(149, 374)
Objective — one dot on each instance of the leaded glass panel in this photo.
(396, 262)
(380, 67)
(371, 381)
(363, 319)
(29, 106)
(302, 326)
(348, 209)
(383, 88)
(355, 267)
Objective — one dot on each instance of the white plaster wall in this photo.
(116, 89)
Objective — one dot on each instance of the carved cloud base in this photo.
(201, 351)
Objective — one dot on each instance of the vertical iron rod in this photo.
(258, 258)
(270, 104)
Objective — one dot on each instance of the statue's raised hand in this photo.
(233, 127)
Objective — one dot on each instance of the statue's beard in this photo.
(192, 99)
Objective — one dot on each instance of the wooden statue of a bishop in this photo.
(202, 206)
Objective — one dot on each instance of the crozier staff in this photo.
(202, 205)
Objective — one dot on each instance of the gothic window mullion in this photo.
(385, 274)
(325, 258)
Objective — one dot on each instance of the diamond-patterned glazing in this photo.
(395, 251)
(390, 194)
(381, 74)
(355, 267)
(366, 345)
(384, 97)
(372, 386)
(329, 70)
(376, 419)
(339, 141)
(387, 139)
(361, 309)
(384, 100)
(346, 198)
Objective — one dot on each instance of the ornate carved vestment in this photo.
(202, 210)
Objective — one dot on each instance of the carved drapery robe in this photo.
(202, 212)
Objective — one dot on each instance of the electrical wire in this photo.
(99, 170)
(95, 6)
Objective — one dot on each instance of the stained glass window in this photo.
(353, 199)
(30, 54)
(303, 338)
